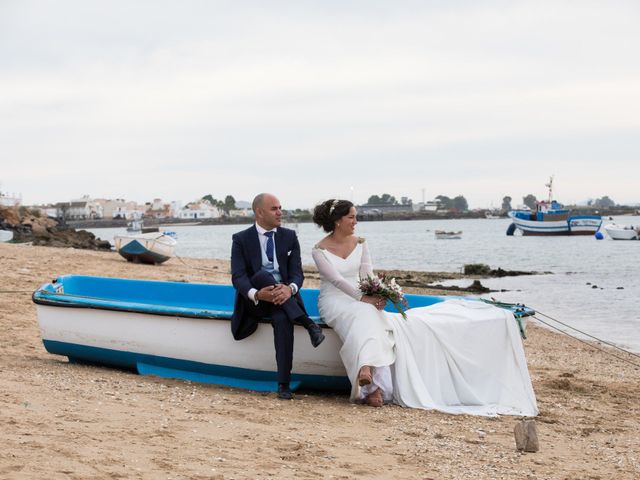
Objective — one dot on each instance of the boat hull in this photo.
(574, 225)
(618, 232)
(6, 235)
(150, 248)
(180, 330)
(198, 349)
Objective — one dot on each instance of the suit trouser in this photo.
(282, 320)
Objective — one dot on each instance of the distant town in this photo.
(209, 210)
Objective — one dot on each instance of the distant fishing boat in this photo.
(551, 218)
(6, 235)
(182, 330)
(152, 248)
(135, 225)
(622, 232)
(444, 235)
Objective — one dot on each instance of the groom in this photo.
(266, 272)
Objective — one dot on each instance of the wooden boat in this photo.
(152, 248)
(622, 232)
(551, 218)
(444, 235)
(6, 235)
(182, 330)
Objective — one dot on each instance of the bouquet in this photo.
(380, 286)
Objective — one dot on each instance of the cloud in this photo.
(152, 99)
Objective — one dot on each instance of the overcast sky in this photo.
(316, 99)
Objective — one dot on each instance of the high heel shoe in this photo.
(375, 399)
(364, 376)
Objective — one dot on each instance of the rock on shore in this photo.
(27, 226)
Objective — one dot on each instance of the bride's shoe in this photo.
(375, 399)
(364, 376)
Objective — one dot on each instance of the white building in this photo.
(200, 210)
(81, 209)
(430, 206)
(120, 208)
(241, 212)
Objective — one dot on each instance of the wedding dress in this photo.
(456, 356)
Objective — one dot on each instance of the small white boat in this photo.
(622, 232)
(182, 330)
(444, 235)
(151, 248)
(6, 235)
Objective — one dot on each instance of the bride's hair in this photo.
(327, 213)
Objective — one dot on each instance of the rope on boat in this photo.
(592, 345)
(522, 306)
(586, 334)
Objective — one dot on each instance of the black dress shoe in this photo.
(316, 335)
(284, 392)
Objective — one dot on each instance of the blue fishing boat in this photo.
(182, 330)
(552, 218)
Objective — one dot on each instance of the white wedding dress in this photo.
(455, 356)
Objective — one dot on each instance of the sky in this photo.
(320, 99)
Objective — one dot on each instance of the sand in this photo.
(61, 420)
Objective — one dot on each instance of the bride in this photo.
(455, 356)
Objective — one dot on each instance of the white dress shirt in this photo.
(262, 238)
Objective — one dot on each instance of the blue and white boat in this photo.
(551, 218)
(152, 248)
(182, 330)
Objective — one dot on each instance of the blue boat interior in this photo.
(168, 298)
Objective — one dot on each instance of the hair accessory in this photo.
(333, 206)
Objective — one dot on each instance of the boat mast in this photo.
(550, 187)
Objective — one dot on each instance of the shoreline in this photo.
(63, 420)
(388, 217)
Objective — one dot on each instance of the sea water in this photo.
(593, 285)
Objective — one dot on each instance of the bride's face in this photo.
(347, 224)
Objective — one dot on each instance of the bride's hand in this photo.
(377, 302)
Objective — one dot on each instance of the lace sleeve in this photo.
(366, 267)
(330, 274)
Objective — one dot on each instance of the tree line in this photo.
(458, 203)
(531, 201)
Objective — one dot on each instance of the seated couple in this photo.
(455, 356)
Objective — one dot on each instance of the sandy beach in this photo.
(60, 420)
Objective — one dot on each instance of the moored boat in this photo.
(152, 248)
(552, 218)
(6, 235)
(182, 330)
(444, 235)
(622, 232)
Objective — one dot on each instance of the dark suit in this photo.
(247, 273)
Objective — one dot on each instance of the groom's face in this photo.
(269, 214)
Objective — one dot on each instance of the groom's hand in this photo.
(266, 294)
(282, 294)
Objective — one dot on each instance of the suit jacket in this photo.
(246, 260)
